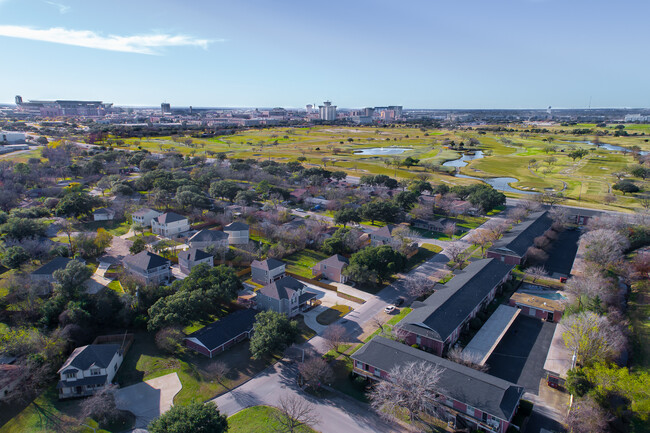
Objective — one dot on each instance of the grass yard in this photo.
(639, 314)
(113, 227)
(146, 361)
(47, 414)
(301, 262)
(259, 419)
(333, 314)
(116, 286)
(425, 252)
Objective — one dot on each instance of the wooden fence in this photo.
(116, 339)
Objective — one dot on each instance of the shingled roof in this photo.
(92, 355)
(452, 303)
(193, 254)
(268, 264)
(53, 265)
(208, 236)
(169, 217)
(386, 231)
(225, 329)
(521, 237)
(235, 227)
(284, 288)
(146, 260)
(487, 393)
(335, 261)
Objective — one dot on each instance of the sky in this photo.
(356, 53)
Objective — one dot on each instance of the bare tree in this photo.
(586, 416)
(589, 285)
(559, 215)
(316, 371)
(294, 413)
(592, 338)
(418, 285)
(217, 371)
(101, 406)
(481, 238)
(449, 229)
(536, 255)
(455, 251)
(335, 335)
(535, 272)
(604, 246)
(412, 387)
(468, 359)
(517, 214)
(379, 323)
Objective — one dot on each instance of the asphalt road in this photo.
(337, 414)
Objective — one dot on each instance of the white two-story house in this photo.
(144, 216)
(189, 258)
(149, 267)
(89, 369)
(170, 225)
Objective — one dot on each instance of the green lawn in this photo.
(116, 286)
(259, 419)
(146, 361)
(333, 314)
(639, 314)
(113, 227)
(48, 414)
(301, 262)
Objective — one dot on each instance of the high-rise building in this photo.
(327, 111)
(19, 100)
(165, 108)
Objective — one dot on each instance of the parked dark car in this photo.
(398, 302)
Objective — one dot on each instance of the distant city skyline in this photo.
(466, 54)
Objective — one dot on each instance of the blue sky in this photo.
(254, 53)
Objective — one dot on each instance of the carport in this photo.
(488, 337)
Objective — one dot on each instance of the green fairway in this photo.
(538, 160)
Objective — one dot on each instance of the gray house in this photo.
(206, 238)
(46, 272)
(238, 233)
(149, 267)
(286, 295)
(382, 236)
(189, 258)
(267, 271)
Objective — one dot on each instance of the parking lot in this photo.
(520, 356)
(562, 253)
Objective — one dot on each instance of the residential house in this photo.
(298, 194)
(238, 233)
(170, 225)
(144, 216)
(205, 238)
(332, 268)
(437, 225)
(513, 246)
(542, 308)
(189, 258)
(286, 295)
(46, 272)
(382, 236)
(267, 271)
(89, 369)
(222, 334)
(436, 324)
(149, 267)
(466, 397)
(104, 214)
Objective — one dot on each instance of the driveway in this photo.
(337, 413)
(310, 318)
(149, 399)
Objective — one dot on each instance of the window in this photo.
(377, 372)
(484, 417)
(470, 410)
(70, 375)
(95, 372)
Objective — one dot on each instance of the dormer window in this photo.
(95, 372)
(70, 375)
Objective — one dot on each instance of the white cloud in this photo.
(142, 44)
(62, 8)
